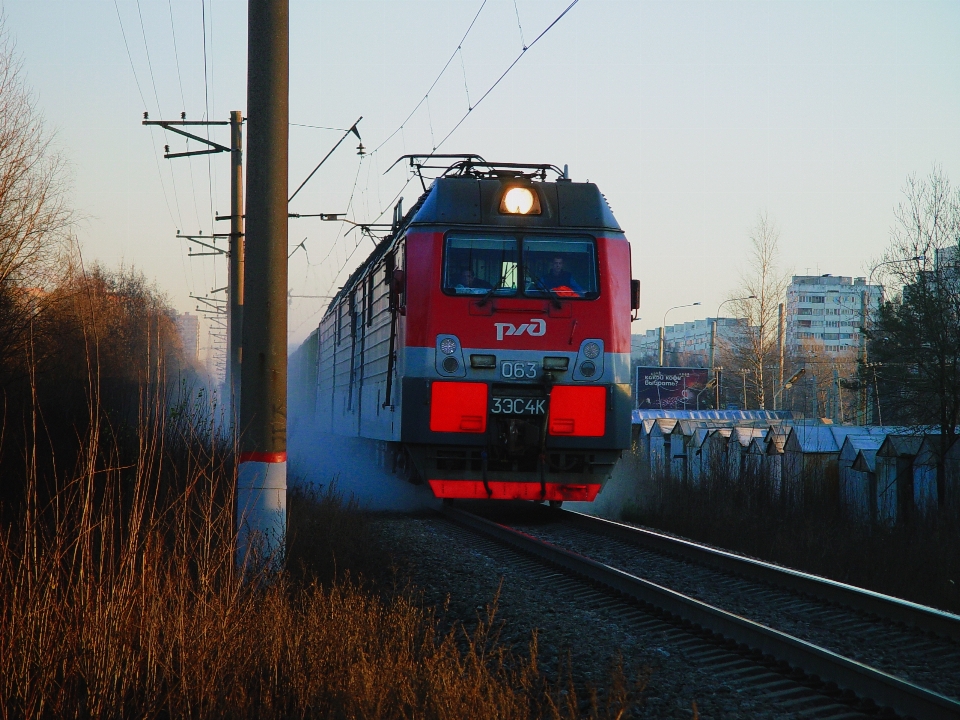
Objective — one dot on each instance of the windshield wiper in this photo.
(552, 293)
(483, 301)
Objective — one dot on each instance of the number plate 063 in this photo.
(519, 370)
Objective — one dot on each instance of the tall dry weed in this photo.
(119, 597)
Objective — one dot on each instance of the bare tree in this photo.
(916, 339)
(754, 350)
(34, 216)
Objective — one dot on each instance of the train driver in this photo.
(560, 280)
(468, 282)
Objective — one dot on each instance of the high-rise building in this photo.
(825, 312)
(189, 326)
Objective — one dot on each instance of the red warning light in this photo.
(458, 407)
(578, 411)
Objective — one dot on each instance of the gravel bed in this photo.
(461, 571)
(906, 652)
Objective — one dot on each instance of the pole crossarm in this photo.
(208, 300)
(198, 239)
(168, 125)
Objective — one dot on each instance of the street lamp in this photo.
(664, 325)
(709, 386)
(713, 338)
(862, 391)
(789, 384)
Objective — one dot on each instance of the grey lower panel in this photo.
(422, 362)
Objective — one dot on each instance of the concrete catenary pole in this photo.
(235, 316)
(262, 471)
(781, 342)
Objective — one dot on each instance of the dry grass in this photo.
(119, 597)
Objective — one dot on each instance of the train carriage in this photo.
(485, 343)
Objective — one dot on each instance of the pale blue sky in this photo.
(691, 116)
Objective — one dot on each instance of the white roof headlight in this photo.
(520, 200)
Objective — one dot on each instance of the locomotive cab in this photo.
(509, 372)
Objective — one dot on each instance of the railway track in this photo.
(852, 651)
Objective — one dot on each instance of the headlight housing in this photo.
(448, 346)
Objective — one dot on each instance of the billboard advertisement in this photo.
(672, 388)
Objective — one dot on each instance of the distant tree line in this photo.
(76, 343)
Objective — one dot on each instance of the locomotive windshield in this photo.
(551, 267)
(561, 268)
(477, 266)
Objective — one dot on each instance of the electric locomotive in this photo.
(485, 343)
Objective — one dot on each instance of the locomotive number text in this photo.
(519, 406)
(518, 370)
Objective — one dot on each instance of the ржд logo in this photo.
(536, 327)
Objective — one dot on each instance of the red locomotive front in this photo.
(507, 358)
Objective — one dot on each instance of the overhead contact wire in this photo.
(507, 71)
(434, 84)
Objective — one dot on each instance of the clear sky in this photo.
(692, 117)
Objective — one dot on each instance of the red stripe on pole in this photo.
(266, 457)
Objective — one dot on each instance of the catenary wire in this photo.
(146, 47)
(507, 71)
(523, 43)
(166, 200)
(206, 100)
(455, 127)
(482, 97)
(434, 83)
(183, 106)
(319, 127)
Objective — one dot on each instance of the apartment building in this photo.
(686, 344)
(825, 312)
(189, 326)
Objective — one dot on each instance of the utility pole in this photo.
(781, 340)
(262, 471)
(235, 251)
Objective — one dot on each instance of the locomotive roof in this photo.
(472, 200)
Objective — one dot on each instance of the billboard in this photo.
(672, 388)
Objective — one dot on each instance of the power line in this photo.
(434, 83)
(319, 127)
(176, 54)
(183, 105)
(523, 43)
(426, 99)
(143, 100)
(482, 98)
(507, 71)
(206, 98)
(146, 47)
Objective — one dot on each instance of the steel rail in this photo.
(920, 616)
(867, 682)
